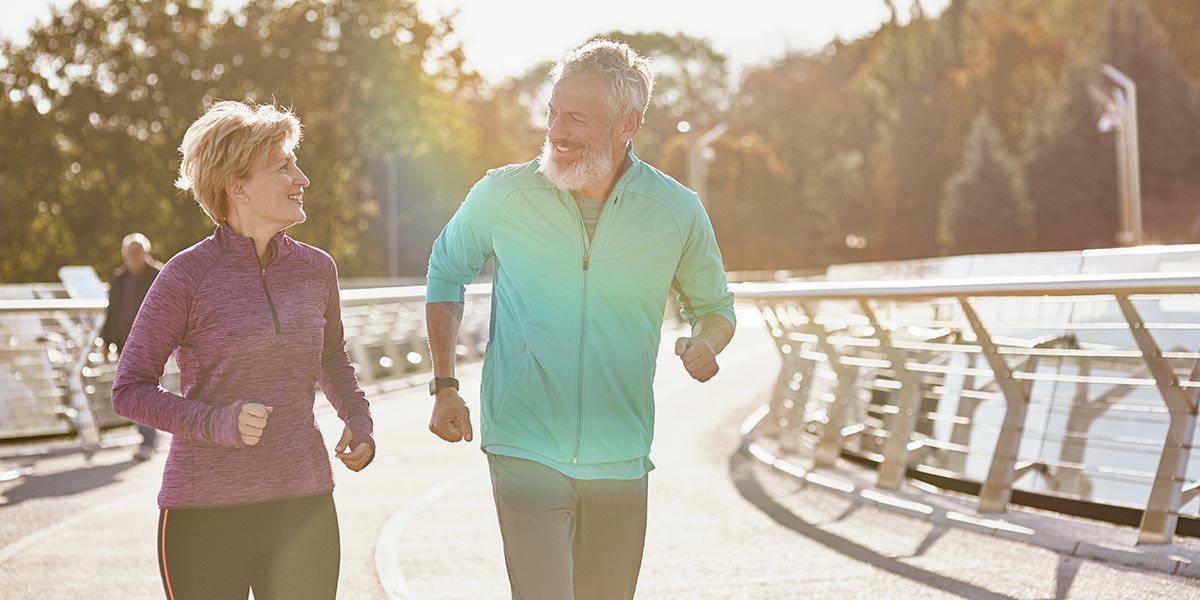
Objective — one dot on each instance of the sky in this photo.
(503, 38)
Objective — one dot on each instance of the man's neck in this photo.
(603, 188)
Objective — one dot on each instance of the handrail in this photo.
(841, 363)
(1062, 285)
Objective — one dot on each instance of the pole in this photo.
(1131, 226)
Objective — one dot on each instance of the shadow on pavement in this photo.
(63, 483)
(742, 473)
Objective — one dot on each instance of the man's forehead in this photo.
(583, 90)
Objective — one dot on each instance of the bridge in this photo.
(933, 429)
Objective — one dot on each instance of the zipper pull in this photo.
(263, 272)
(586, 257)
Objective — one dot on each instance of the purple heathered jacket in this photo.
(240, 334)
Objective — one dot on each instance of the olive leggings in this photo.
(282, 549)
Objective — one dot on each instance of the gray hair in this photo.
(135, 238)
(630, 80)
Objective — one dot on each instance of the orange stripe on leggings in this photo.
(163, 549)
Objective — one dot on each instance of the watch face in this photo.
(432, 387)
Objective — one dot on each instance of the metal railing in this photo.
(56, 380)
(1081, 390)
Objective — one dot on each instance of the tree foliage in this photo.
(978, 118)
(105, 93)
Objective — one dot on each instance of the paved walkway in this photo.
(419, 522)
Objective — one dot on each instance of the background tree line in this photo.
(969, 131)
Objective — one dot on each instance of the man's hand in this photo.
(451, 418)
(698, 358)
(357, 459)
(251, 421)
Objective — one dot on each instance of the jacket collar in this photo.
(241, 248)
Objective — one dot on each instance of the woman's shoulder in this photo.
(312, 255)
(191, 263)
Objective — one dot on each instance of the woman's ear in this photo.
(237, 192)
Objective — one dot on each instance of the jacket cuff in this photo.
(441, 290)
(223, 426)
(362, 431)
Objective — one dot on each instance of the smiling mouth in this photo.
(297, 198)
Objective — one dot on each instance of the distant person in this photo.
(253, 318)
(587, 241)
(128, 288)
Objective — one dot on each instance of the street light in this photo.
(699, 153)
(1120, 115)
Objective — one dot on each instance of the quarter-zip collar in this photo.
(240, 249)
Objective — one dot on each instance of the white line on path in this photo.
(387, 545)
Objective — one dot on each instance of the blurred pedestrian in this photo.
(254, 320)
(587, 241)
(128, 288)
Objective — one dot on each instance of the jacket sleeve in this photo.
(338, 381)
(700, 277)
(160, 328)
(464, 244)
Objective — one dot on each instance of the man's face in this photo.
(581, 139)
(135, 257)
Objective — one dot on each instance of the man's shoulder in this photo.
(510, 178)
(656, 185)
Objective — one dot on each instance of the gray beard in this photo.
(594, 166)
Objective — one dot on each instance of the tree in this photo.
(1070, 169)
(104, 93)
(985, 208)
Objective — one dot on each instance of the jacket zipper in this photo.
(587, 255)
(274, 315)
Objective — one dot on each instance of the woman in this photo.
(253, 318)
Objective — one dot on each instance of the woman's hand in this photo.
(251, 422)
(356, 459)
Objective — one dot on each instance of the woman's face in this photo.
(275, 192)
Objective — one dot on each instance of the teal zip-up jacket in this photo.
(575, 329)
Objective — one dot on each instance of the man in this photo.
(128, 288)
(587, 242)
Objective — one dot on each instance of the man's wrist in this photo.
(440, 384)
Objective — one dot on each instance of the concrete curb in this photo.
(993, 526)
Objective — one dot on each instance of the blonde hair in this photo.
(227, 143)
(630, 78)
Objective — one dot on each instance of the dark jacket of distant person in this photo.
(126, 292)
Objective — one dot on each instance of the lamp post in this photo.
(1120, 115)
(699, 153)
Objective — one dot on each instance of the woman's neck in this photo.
(261, 235)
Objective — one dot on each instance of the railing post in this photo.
(997, 488)
(1162, 509)
(775, 409)
(84, 419)
(895, 451)
(830, 445)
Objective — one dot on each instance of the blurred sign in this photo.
(82, 283)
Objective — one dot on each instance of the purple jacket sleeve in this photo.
(158, 330)
(338, 381)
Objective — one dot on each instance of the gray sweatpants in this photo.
(568, 539)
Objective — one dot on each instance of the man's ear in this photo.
(631, 123)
